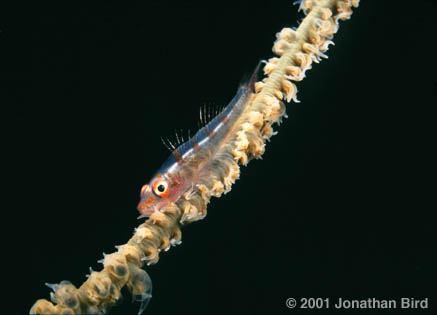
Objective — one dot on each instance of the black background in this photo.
(340, 206)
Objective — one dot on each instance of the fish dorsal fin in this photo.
(208, 112)
(168, 144)
(178, 138)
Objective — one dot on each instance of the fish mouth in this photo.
(146, 205)
(142, 207)
(145, 211)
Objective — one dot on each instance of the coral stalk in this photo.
(297, 49)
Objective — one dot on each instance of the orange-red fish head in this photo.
(155, 195)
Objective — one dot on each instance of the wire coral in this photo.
(297, 50)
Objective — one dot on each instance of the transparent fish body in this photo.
(192, 160)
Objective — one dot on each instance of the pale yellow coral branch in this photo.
(297, 50)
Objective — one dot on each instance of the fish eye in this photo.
(160, 188)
